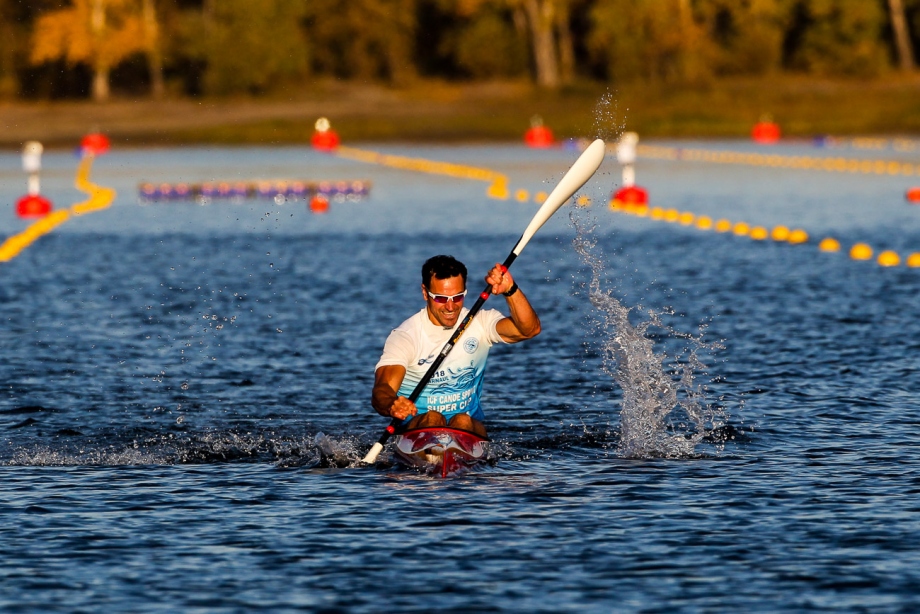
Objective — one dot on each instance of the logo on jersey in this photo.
(430, 358)
(471, 345)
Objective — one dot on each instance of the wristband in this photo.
(511, 290)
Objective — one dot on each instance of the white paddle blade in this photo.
(583, 169)
(373, 454)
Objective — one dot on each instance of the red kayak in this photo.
(441, 450)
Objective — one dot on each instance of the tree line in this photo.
(88, 48)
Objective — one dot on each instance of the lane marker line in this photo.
(99, 198)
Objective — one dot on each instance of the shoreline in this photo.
(436, 111)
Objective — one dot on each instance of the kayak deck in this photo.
(441, 450)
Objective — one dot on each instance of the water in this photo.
(171, 372)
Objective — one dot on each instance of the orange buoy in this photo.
(325, 138)
(630, 195)
(765, 132)
(33, 205)
(913, 196)
(94, 144)
(538, 136)
(319, 204)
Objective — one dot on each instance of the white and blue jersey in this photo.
(456, 387)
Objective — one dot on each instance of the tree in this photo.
(842, 37)
(901, 35)
(488, 43)
(367, 39)
(747, 35)
(152, 44)
(247, 45)
(653, 40)
(8, 44)
(100, 33)
(548, 32)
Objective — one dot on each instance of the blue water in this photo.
(173, 373)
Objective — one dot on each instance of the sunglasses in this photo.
(443, 298)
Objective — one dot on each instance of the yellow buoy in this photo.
(861, 251)
(522, 196)
(704, 222)
(914, 260)
(780, 233)
(657, 213)
(671, 215)
(798, 236)
(583, 201)
(686, 218)
(889, 258)
(723, 225)
(759, 233)
(498, 190)
(829, 244)
(540, 197)
(741, 229)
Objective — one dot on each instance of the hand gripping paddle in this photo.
(585, 166)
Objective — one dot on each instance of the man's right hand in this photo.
(402, 408)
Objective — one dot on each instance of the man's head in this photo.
(444, 287)
(442, 267)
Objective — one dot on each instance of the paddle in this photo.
(584, 167)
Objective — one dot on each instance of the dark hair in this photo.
(442, 267)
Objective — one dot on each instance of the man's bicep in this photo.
(508, 331)
(390, 376)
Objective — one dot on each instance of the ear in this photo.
(424, 293)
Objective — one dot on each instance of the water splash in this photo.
(117, 448)
(665, 411)
(609, 124)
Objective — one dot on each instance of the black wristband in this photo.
(511, 290)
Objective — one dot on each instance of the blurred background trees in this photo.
(86, 48)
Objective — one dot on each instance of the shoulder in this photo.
(488, 319)
(411, 324)
(489, 316)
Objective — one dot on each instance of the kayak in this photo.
(441, 450)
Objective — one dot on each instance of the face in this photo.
(444, 314)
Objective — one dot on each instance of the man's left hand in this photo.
(501, 281)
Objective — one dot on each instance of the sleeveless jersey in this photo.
(457, 385)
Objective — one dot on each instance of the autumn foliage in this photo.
(252, 46)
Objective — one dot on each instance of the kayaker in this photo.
(452, 397)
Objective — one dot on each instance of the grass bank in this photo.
(450, 112)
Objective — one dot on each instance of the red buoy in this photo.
(33, 205)
(539, 137)
(913, 196)
(94, 144)
(319, 204)
(631, 195)
(765, 132)
(325, 138)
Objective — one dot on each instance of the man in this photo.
(452, 396)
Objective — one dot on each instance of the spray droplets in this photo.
(664, 411)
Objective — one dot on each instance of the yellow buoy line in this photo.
(99, 198)
(498, 182)
(796, 236)
(869, 142)
(813, 163)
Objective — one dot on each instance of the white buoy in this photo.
(626, 156)
(32, 164)
(629, 197)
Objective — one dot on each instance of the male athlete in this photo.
(451, 398)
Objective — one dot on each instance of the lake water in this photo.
(172, 372)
